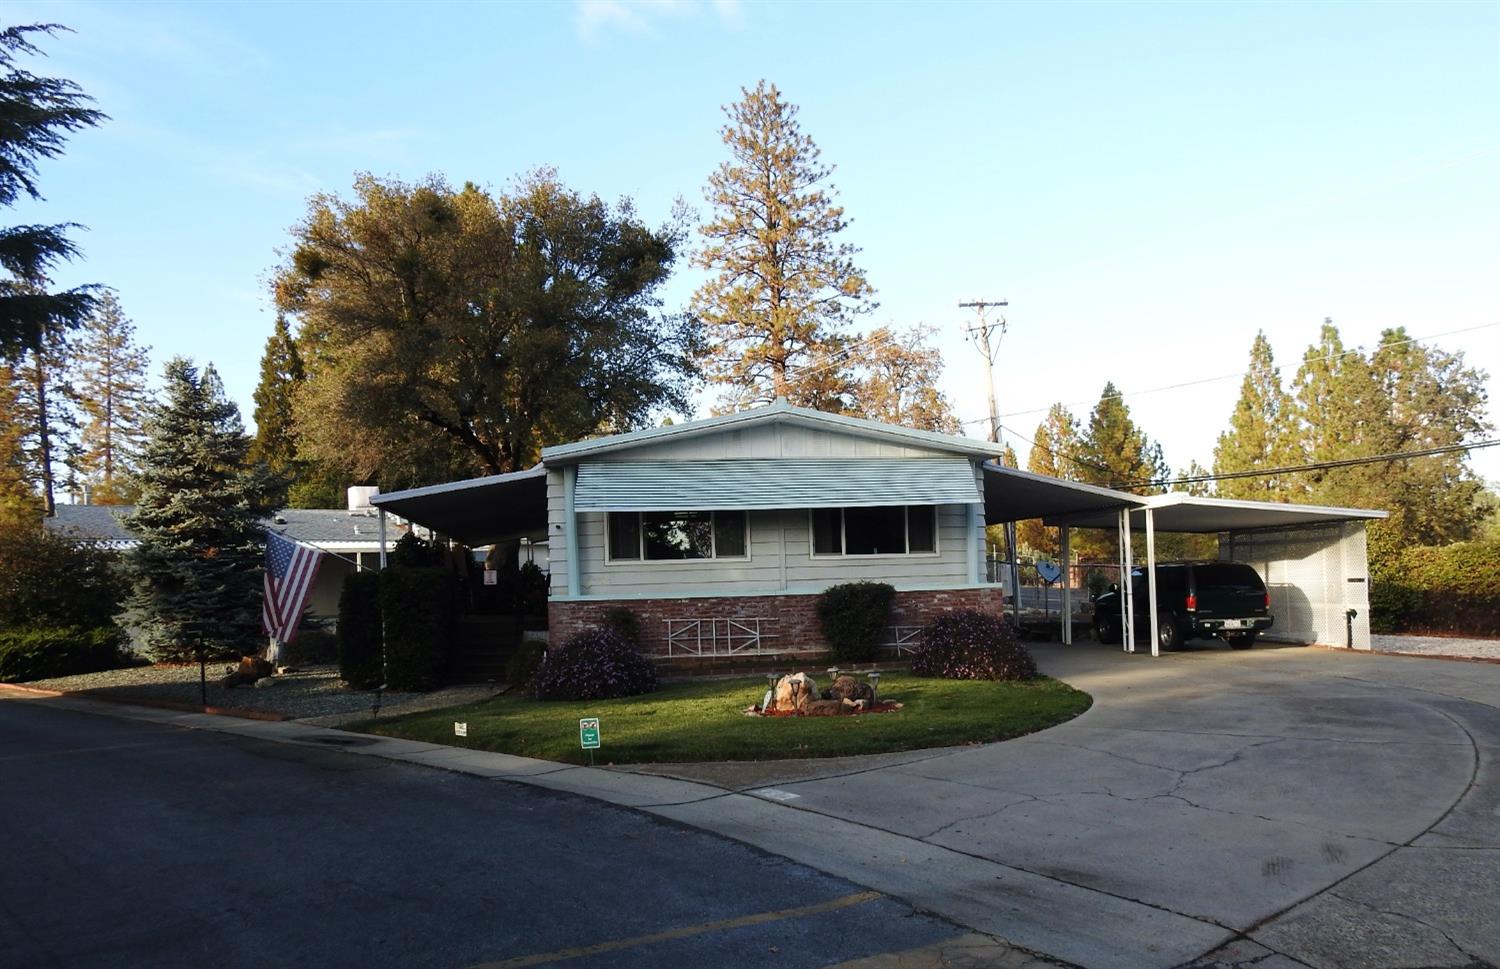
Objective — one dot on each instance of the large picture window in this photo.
(668, 536)
(884, 530)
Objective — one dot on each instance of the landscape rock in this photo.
(793, 692)
(265, 681)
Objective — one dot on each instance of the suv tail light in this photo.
(1268, 600)
(1192, 602)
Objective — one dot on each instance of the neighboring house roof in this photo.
(780, 412)
(99, 524)
(331, 529)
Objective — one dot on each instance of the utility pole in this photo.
(980, 333)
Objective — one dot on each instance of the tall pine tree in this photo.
(784, 287)
(36, 115)
(1115, 453)
(1052, 450)
(19, 505)
(308, 484)
(109, 374)
(1258, 434)
(45, 410)
(197, 571)
(898, 380)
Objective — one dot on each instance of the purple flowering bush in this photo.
(594, 665)
(969, 645)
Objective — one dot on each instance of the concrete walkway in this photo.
(1287, 806)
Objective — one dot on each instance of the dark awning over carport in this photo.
(1011, 495)
(479, 511)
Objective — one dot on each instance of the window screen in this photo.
(729, 534)
(875, 531)
(921, 528)
(624, 535)
(827, 526)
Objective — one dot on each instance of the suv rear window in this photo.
(1229, 575)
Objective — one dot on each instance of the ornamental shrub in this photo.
(359, 631)
(854, 617)
(39, 653)
(417, 606)
(594, 665)
(969, 645)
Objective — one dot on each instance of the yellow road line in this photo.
(760, 918)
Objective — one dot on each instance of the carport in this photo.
(1312, 558)
(478, 511)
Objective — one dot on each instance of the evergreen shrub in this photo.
(531, 590)
(524, 661)
(359, 631)
(854, 617)
(1450, 589)
(969, 645)
(39, 653)
(417, 606)
(593, 665)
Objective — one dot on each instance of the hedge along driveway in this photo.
(705, 721)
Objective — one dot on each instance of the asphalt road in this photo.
(136, 844)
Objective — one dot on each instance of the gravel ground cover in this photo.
(312, 692)
(1437, 646)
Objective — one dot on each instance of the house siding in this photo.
(780, 540)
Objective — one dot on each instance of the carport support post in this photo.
(1127, 598)
(1067, 587)
(382, 539)
(1151, 580)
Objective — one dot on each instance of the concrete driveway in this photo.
(1297, 806)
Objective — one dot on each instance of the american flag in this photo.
(290, 570)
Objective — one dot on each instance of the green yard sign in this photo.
(588, 733)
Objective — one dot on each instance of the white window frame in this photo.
(609, 550)
(843, 553)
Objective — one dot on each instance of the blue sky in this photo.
(1148, 184)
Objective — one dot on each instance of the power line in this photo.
(1314, 466)
(1326, 358)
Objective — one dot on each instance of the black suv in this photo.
(1225, 599)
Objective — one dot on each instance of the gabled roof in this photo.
(781, 412)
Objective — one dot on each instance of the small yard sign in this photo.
(460, 729)
(588, 733)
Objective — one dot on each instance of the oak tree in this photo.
(449, 333)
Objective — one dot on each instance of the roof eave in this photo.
(770, 414)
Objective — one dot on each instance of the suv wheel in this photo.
(1107, 630)
(1168, 636)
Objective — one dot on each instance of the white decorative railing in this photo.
(719, 636)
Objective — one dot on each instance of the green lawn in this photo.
(705, 721)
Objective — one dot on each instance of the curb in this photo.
(144, 702)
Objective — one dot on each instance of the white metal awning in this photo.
(1178, 512)
(765, 483)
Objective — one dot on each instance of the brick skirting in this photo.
(794, 617)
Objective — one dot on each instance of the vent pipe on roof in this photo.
(360, 495)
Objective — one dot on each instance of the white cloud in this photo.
(596, 19)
